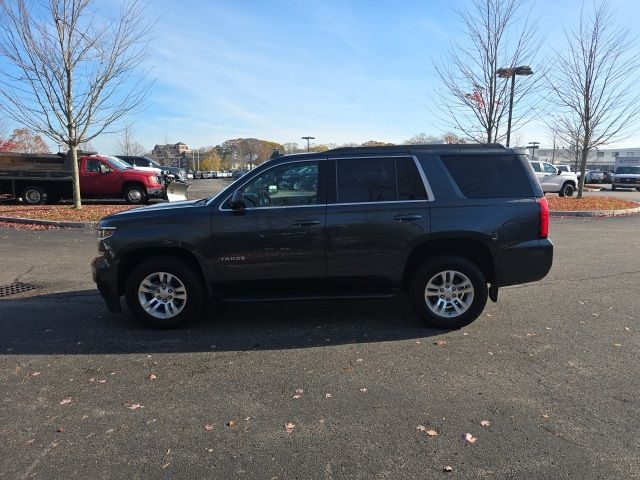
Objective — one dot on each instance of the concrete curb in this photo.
(594, 213)
(54, 223)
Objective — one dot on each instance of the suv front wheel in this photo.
(448, 292)
(164, 293)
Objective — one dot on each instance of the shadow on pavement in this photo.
(78, 323)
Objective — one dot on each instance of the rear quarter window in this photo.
(488, 176)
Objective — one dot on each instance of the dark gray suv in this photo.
(447, 224)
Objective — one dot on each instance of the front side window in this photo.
(286, 185)
(548, 168)
(93, 166)
(536, 166)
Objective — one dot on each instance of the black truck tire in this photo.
(34, 195)
(135, 195)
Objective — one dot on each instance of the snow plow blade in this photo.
(177, 191)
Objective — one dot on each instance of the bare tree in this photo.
(594, 82)
(126, 145)
(68, 76)
(421, 138)
(472, 100)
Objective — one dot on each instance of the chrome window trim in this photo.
(430, 197)
(320, 159)
(378, 203)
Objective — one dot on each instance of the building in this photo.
(598, 159)
(172, 154)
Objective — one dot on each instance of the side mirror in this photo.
(237, 200)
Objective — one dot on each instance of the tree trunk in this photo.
(75, 175)
(583, 168)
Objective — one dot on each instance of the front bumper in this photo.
(525, 262)
(105, 277)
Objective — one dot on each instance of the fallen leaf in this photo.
(432, 433)
(465, 333)
(289, 427)
(359, 360)
(594, 314)
(208, 427)
(166, 465)
(440, 343)
(418, 342)
(485, 423)
(327, 395)
(210, 450)
(102, 381)
(231, 423)
(364, 390)
(152, 376)
(617, 344)
(65, 401)
(297, 396)
(421, 428)
(134, 406)
(626, 328)
(34, 374)
(299, 391)
(60, 429)
(447, 468)
(545, 416)
(467, 437)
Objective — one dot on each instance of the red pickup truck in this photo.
(46, 178)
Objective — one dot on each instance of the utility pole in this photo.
(307, 139)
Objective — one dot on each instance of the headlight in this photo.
(105, 232)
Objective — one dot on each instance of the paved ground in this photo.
(553, 367)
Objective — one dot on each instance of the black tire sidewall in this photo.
(427, 271)
(41, 191)
(186, 274)
(565, 187)
(143, 195)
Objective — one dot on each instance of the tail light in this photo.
(543, 231)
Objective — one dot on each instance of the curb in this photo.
(53, 223)
(593, 213)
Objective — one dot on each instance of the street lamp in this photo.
(533, 146)
(307, 139)
(511, 73)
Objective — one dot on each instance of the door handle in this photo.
(407, 218)
(306, 223)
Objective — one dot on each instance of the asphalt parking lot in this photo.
(552, 367)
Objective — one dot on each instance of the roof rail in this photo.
(433, 146)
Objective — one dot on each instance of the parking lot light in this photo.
(511, 73)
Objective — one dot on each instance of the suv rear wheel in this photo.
(448, 292)
(164, 293)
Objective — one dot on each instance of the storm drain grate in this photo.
(14, 289)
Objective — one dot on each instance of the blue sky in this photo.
(339, 70)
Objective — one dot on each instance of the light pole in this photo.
(533, 146)
(307, 139)
(511, 73)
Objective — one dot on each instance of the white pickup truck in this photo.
(554, 180)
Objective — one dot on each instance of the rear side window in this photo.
(364, 180)
(536, 166)
(489, 176)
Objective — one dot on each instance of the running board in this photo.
(294, 297)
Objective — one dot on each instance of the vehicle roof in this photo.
(399, 149)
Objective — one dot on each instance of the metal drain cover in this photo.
(14, 289)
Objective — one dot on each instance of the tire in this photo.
(135, 195)
(433, 269)
(178, 276)
(34, 195)
(567, 190)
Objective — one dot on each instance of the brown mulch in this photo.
(31, 227)
(589, 203)
(88, 213)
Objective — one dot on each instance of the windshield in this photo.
(118, 164)
(628, 170)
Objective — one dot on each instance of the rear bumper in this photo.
(104, 275)
(525, 262)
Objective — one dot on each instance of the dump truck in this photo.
(47, 178)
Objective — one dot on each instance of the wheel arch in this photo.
(135, 256)
(472, 249)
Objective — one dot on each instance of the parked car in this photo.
(608, 176)
(448, 224)
(627, 176)
(594, 176)
(146, 162)
(554, 180)
(46, 178)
